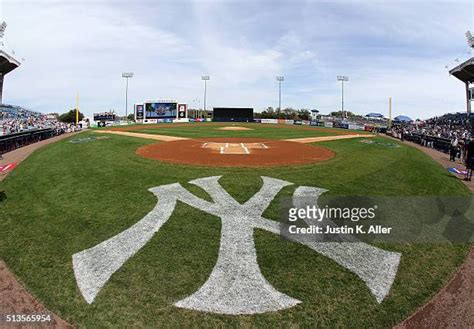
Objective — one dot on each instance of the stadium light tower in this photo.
(342, 78)
(126, 75)
(470, 39)
(279, 79)
(205, 78)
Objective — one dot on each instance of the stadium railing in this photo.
(11, 142)
(438, 143)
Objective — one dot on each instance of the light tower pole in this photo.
(279, 79)
(205, 78)
(342, 78)
(126, 75)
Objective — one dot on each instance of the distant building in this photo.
(402, 118)
(373, 115)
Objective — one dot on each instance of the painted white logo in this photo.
(236, 285)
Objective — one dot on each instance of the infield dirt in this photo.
(276, 153)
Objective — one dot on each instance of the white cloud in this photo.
(388, 48)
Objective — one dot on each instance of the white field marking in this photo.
(236, 284)
(327, 138)
(245, 148)
(204, 145)
(163, 138)
(6, 167)
(264, 146)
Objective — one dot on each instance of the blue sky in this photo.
(387, 48)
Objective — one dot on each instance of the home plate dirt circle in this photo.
(235, 152)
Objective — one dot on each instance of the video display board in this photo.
(160, 110)
(104, 116)
(139, 109)
(182, 108)
(232, 114)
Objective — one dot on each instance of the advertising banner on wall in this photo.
(269, 121)
(328, 124)
(355, 126)
(182, 111)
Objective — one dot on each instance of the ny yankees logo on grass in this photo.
(236, 285)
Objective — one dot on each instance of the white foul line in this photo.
(6, 167)
(245, 148)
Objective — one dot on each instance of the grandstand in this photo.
(15, 119)
(7, 64)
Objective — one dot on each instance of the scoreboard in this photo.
(237, 114)
(160, 111)
(104, 116)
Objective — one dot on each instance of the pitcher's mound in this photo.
(235, 152)
(234, 128)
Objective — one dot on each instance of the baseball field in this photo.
(71, 196)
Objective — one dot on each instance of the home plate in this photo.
(233, 148)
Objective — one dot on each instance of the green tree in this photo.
(290, 113)
(269, 113)
(70, 117)
(304, 114)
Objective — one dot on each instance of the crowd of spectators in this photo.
(20, 127)
(14, 119)
(450, 133)
(449, 127)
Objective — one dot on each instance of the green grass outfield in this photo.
(68, 197)
(271, 131)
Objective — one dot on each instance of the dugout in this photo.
(232, 114)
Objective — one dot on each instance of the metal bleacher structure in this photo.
(465, 73)
(8, 62)
(12, 141)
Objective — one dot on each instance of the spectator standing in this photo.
(469, 159)
(453, 149)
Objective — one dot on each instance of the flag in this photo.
(457, 171)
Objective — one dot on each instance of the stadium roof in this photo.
(464, 71)
(403, 118)
(374, 115)
(7, 63)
